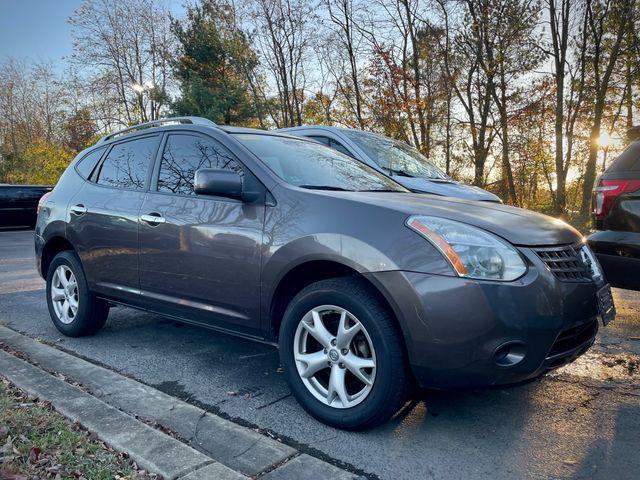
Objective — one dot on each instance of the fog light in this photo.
(509, 354)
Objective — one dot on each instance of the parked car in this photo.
(366, 288)
(393, 158)
(616, 217)
(18, 204)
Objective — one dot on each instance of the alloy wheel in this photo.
(334, 356)
(64, 294)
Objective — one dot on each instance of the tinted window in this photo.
(310, 165)
(395, 157)
(322, 140)
(339, 147)
(184, 154)
(89, 161)
(127, 164)
(627, 161)
(330, 142)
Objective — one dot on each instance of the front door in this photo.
(103, 216)
(200, 256)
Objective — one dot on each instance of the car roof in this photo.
(256, 131)
(169, 123)
(234, 129)
(334, 129)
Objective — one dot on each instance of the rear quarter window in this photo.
(87, 163)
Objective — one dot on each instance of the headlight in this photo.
(472, 252)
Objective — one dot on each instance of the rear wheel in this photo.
(342, 354)
(75, 311)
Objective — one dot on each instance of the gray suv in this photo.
(367, 289)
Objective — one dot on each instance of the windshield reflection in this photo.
(395, 157)
(308, 164)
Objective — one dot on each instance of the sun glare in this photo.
(605, 140)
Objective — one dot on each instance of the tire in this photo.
(90, 312)
(356, 409)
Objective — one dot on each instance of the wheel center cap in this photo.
(334, 355)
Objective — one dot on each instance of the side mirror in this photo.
(219, 183)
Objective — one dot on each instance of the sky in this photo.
(36, 29)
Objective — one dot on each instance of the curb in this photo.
(230, 449)
(150, 448)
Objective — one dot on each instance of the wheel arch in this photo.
(51, 248)
(311, 271)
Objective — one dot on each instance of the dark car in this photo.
(365, 287)
(616, 217)
(393, 158)
(19, 203)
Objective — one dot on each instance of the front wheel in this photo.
(342, 354)
(75, 311)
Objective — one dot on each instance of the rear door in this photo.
(103, 216)
(201, 258)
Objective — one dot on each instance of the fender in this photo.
(338, 248)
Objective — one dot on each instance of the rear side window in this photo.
(89, 161)
(127, 164)
(330, 142)
(184, 154)
(339, 147)
(322, 140)
(628, 160)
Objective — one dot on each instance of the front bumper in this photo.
(454, 327)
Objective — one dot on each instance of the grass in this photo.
(38, 443)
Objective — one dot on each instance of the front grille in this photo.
(565, 262)
(573, 338)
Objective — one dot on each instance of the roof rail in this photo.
(156, 123)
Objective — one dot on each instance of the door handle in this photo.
(78, 209)
(152, 219)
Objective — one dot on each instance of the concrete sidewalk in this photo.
(123, 412)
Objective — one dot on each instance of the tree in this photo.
(215, 65)
(80, 129)
(564, 18)
(473, 86)
(126, 46)
(507, 51)
(606, 26)
(284, 34)
(342, 58)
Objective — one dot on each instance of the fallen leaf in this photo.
(9, 475)
(33, 454)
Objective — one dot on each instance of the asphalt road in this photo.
(582, 421)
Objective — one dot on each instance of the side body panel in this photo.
(205, 258)
(106, 237)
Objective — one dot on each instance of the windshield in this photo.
(395, 157)
(311, 165)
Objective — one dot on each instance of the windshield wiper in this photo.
(399, 173)
(325, 187)
(381, 190)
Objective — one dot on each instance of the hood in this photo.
(447, 188)
(516, 225)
